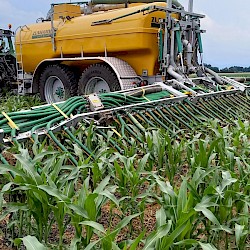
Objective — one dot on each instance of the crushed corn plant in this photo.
(155, 106)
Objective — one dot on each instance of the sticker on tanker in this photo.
(155, 22)
(41, 34)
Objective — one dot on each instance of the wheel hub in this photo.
(54, 90)
(97, 85)
(59, 92)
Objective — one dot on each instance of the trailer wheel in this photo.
(98, 78)
(57, 83)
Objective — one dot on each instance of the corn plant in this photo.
(107, 237)
(206, 207)
(166, 155)
(10, 103)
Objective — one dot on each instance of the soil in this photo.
(137, 226)
(4, 244)
(148, 224)
(9, 158)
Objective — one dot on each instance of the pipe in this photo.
(173, 67)
(170, 3)
(215, 75)
(171, 71)
(101, 7)
(146, 91)
(94, 2)
(172, 47)
(242, 79)
(187, 45)
(191, 6)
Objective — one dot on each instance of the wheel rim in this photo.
(97, 85)
(54, 90)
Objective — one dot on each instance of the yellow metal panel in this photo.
(132, 39)
(64, 10)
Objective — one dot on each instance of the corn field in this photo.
(154, 191)
(140, 145)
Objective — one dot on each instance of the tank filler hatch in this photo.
(62, 11)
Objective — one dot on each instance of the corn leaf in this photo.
(55, 193)
(31, 243)
(27, 166)
(136, 242)
(207, 213)
(161, 217)
(156, 235)
(93, 224)
(207, 246)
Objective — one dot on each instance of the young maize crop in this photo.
(141, 198)
(147, 171)
(151, 158)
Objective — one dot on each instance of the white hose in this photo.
(215, 75)
(171, 71)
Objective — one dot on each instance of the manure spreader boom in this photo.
(119, 116)
(130, 64)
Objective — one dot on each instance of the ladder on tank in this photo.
(24, 80)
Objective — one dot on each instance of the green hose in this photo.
(167, 119)
(87, 151)
(136, 123)
(168, 110)
(110, 140)
(72, 159)
(129, 129)
(144, 118)
(170, 117)
(197, 109)
(159, 121)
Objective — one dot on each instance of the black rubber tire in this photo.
(63, 72)
(98, 70)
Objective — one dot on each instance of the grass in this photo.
(244, 74)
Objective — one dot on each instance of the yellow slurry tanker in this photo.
(132, 38)
(106, 50)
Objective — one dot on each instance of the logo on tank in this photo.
(41, 33)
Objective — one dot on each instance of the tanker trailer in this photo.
(103, 51)
(98, 49)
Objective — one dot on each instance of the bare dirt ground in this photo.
(149, 224)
